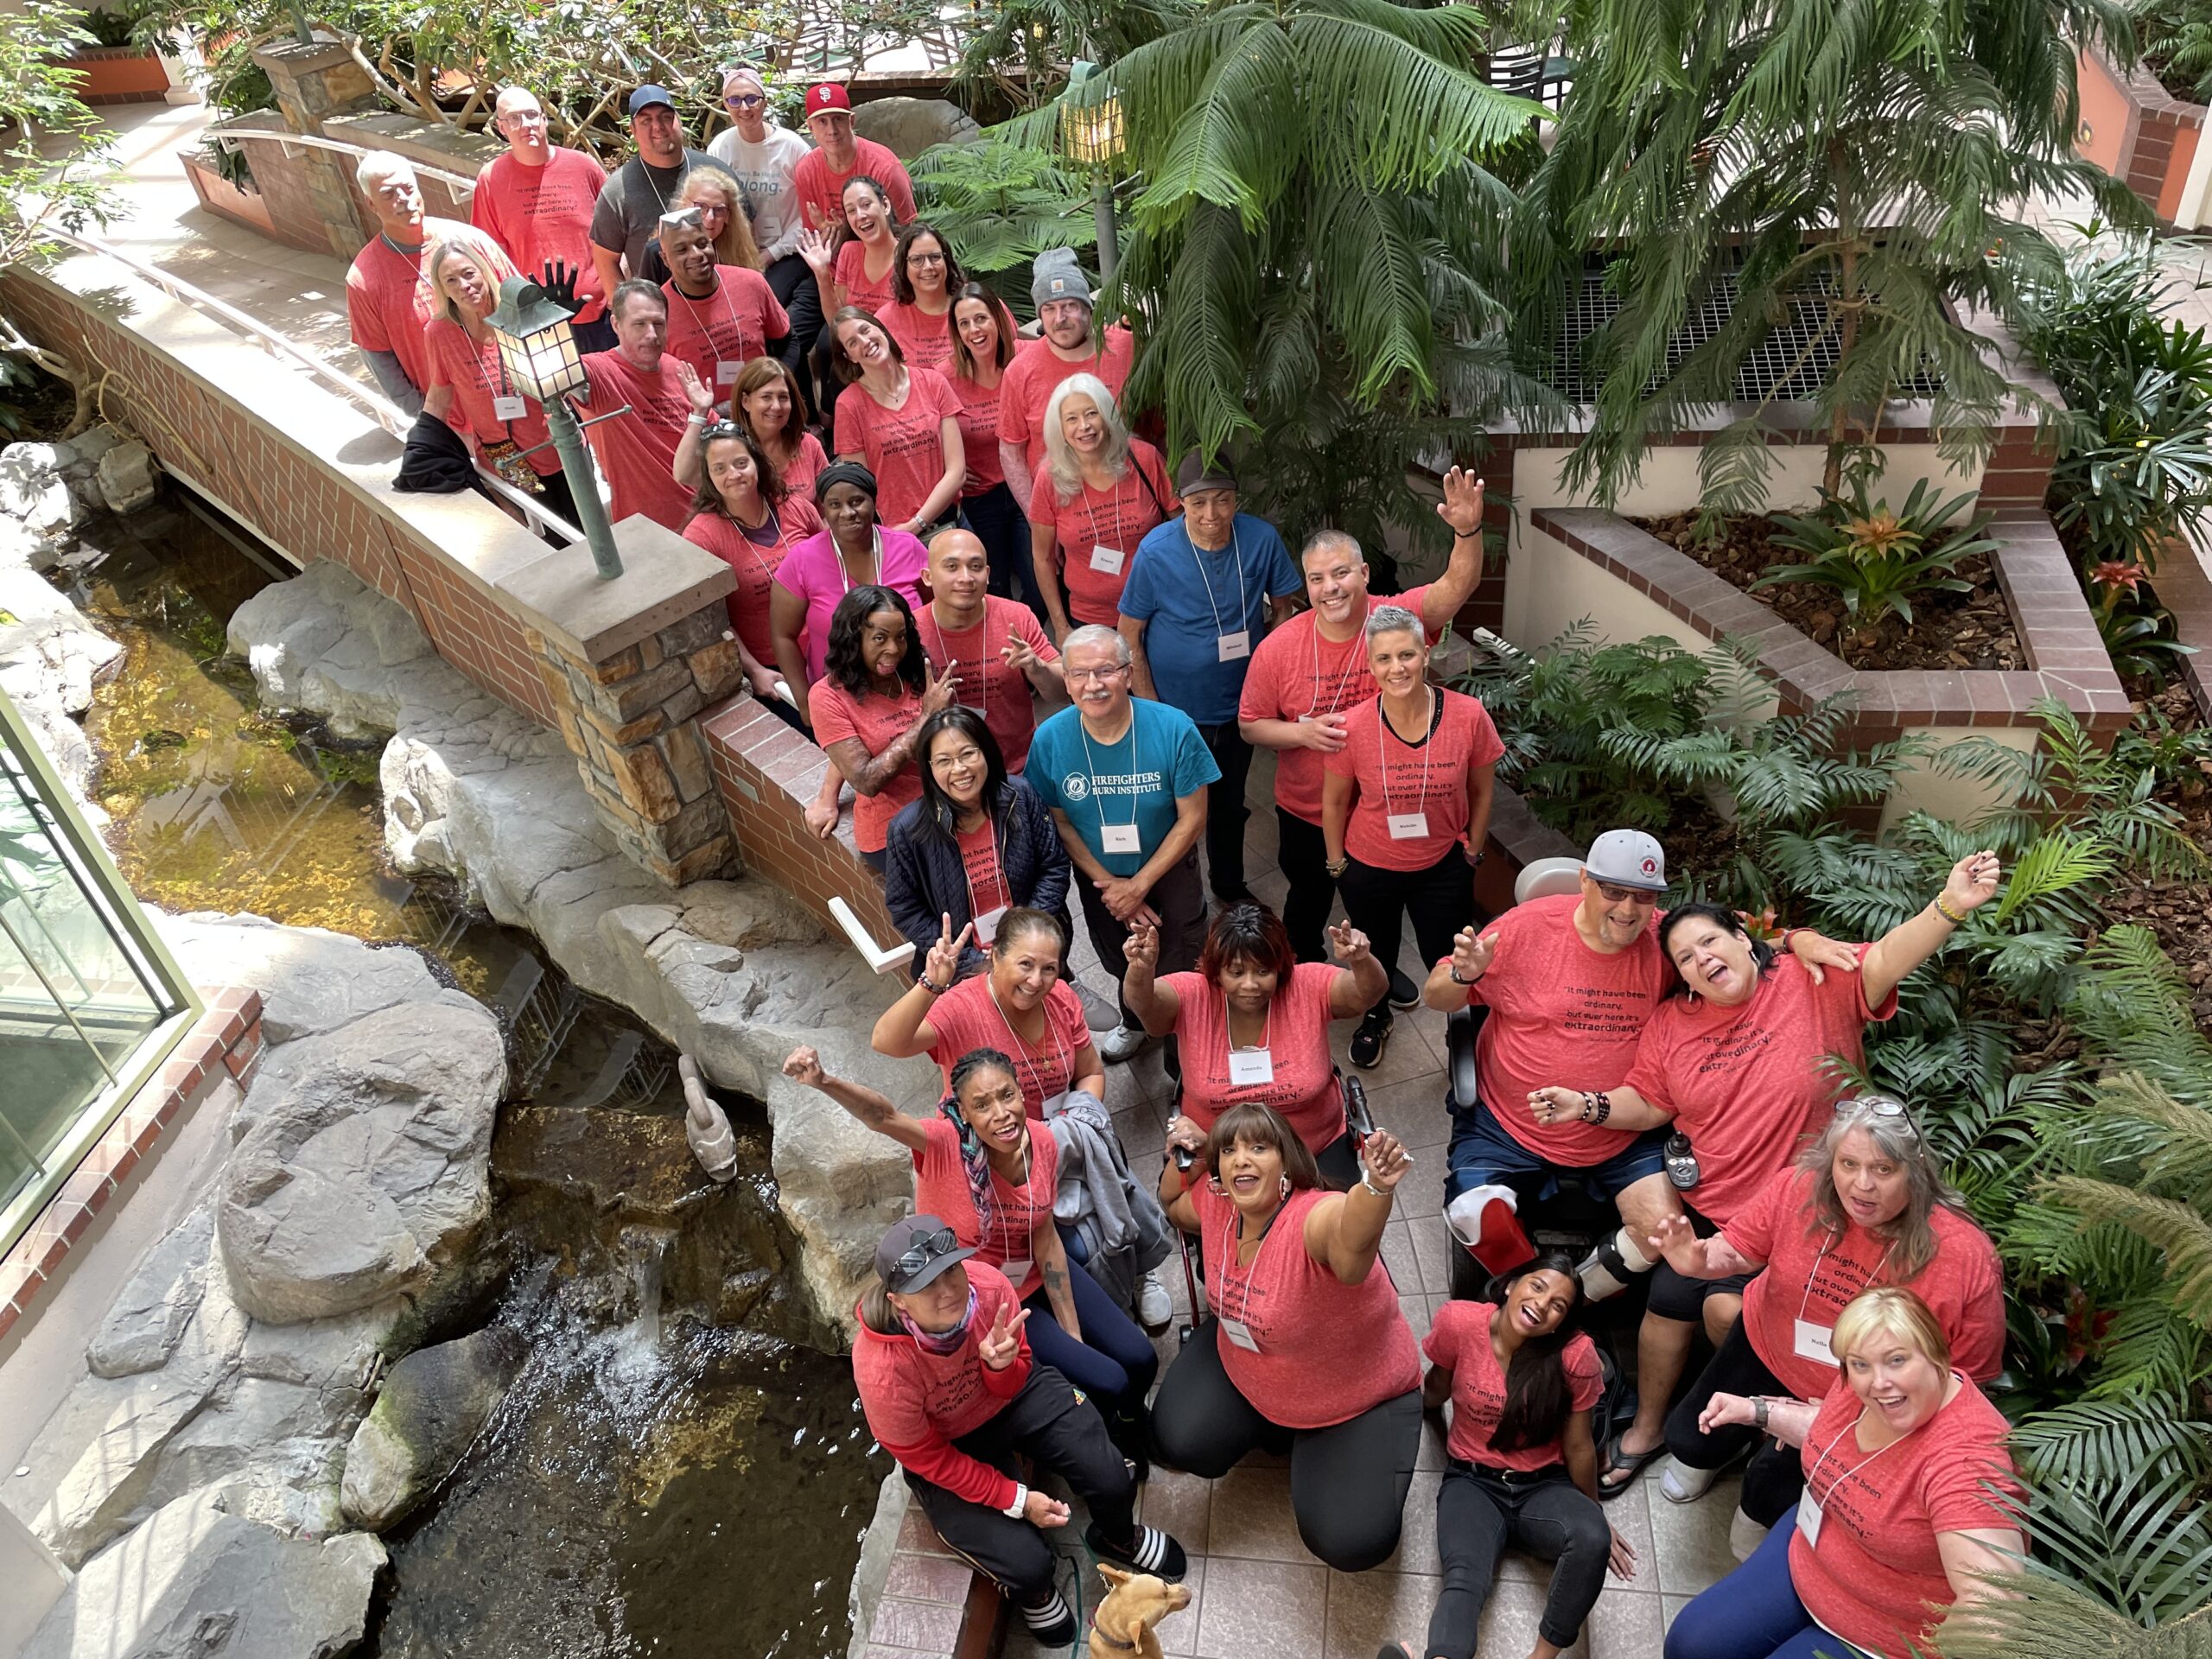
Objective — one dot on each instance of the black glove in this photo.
(559, 282)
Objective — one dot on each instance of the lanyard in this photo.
(728, 308)
(1228, 1261)
(874, 550)
(1243, 601)
(753, 547)
(1850, 1428)
(983, 662)
(998, 875)
(1427, 748)
(1113, 499)
(1806, 1301)
(1064, 1058)
(1229, 1037)
(1350, 645)
(1098, 795)
(484, 380)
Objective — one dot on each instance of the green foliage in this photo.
(1877, 560)
(1002, 204)
(2175, 36)
(39, 101)
(1023, 46)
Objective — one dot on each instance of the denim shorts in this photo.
(1482, 1151)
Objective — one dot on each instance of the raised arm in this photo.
(1972, 884)
(1694, 1257)
(1462, 509)
(905, 1029)
(876, 1110)
(1175, 1182)
(1344, 1232)
(1788, 1421)
(686, 469)
(1447, 982)
(1156, 1004)
(1362, 985)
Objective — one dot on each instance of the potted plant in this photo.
(115, 67)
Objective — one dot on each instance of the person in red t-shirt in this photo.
(1097, 494)
(720, 317)
(1304, 1332)
(1310, 670)
(993, 1174)
(1067, 346)
(924, 277)
(1866, 1204)
(1252, 1025)
(744, 516)
(992, 646)
(944, 1368)
(854, 265)
(984, 340)
(636, 449)
(875, 692)
(1910, 1502)
(536, 203)
(902, 423)
(1736, 1064)
(819, 178)
(1523, 1468)
(1405, 807)
(389, 299)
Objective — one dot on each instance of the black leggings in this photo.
(1302, 856)
(1441, 899)
(1775, 1476)
(1481, 1511)
(1348, 1482)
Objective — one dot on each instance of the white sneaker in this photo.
(1119, 1044)
(1155, 1309)
(1745, 1535)
(1680, 1483)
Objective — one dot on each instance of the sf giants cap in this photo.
(915, 1251)
(825, 96)
(1628, 858)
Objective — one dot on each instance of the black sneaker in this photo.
(1052, 1622)
(1404, 993)
(1153, 1552)
(1371, 1039)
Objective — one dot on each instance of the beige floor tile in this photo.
(1369, 1609)
(1404, 1056)
(1415, 1308)
(1432, 1449)
(1261, 1610)
(1250, 1518)
(1415, 1111)
(1179, 1632)
(1625, 1626)
(1691, 1540)
(1432, 1248)
(1398, 1256)
(1509, 1623)
(1178, 1503)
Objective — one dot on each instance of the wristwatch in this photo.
(1760, 1405)
(1021, 1501)
(1452, 969)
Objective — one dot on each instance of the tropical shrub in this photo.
(2176, 38)
(1878, 560)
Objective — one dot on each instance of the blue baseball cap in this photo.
(645, 97)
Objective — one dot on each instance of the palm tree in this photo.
(1849, 167)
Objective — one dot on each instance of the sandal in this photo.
(1629, 1466)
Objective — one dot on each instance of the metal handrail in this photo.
(386, 413)
(269, 134)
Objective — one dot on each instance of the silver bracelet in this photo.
(1368, 1181)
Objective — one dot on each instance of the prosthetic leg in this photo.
(1607, 1269)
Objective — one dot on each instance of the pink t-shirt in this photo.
(979, 435)
(720, 335)
(925, 340)
(1296, 673)
(821, 192)
(861, 289)
(985, 871)
(543, 214)
(1008, 1235)
(1458, 1341)
(1813, 1276)
(1116, 519)
(1035, 374)
(1877, 1564)
(1560, 1012)
(389, 302)
(806, 465)
(915, 1399)
(967, 1017)
(472, 369)
(754, 565)
(1397, 779)
(1304, 1089)
(998, 691)
(877, 722)
(903, 446)
(814, 574)
(1746, 1084)
(1326, 1351)
(637, 451)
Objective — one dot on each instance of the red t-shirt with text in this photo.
(1459, 1340)
(1304, 1089)
(861, 289)
(720, 335)
(1116, 519)
(389, 302)
(983, 867)
(1008, 1233)
(1748, 1083)
(543, 214)
(988, 684)
(1395, 777)
(878, 721)
(804, 467)
(1296, 673)
(1035, 374)
(967, 1018)
(1812, 1275)
(472, 369)
(923, 340)
(1876, 1563)
(979, 435)
(918, 1402)
(903, 446)
(754, 565)
(1327, 1350)
(637, 451)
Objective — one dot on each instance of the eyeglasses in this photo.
(1113, 673)
(925, 1251)
(746, 101)
(925, 258)
(1866, 1106)
(1613, 895)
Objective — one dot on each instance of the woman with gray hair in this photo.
(1097, 493)
(1405, 807)
(1866, 1205)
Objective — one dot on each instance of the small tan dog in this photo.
(1121, 1624)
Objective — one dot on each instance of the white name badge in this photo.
(1238, 1332)
(1409, 826)
(1107, 560)
(1811, 1342)
(987, 926)
(726, 369)
(1119, 837)
(507, 408)
(1016, 1272)
(1250, 1066)
(1232, 646)
(1808, 1517)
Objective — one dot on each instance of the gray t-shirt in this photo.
(635, 195)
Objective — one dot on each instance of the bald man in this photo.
(994, 645)
(536, 201)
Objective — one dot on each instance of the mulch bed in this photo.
(1968, 630)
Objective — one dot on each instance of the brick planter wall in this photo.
(2140, 133)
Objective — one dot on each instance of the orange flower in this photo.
(1761, 927)
(1880, 535)
(2112, 574)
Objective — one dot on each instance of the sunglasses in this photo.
(746, 101)
(925, 1251)
(715, 430)
(1866, 1106)
(1613, 895)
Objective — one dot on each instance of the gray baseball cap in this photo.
(915, 1251)
(1628, 858)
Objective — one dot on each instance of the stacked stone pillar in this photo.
(311, 83)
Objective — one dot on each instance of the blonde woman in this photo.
(1097, 493)
(468, 389)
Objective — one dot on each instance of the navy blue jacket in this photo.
(923, 878)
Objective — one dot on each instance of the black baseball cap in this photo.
(915, 1251)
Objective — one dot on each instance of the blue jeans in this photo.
(1114, 1363)
(1754, 1613)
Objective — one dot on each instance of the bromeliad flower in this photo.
(1880, 534)
(2112, 574)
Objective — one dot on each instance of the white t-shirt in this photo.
(765, 170)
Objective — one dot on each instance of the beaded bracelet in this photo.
(1956, 918)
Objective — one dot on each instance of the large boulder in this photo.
(325, 642)
(362, 1168)
(908, 126)
(196, 1581)
(147, 1318)
(434, 1403)
(311, 980)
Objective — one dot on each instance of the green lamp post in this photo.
(1091, 131)
(539, 349)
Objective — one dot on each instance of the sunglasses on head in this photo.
(1863, 1106)
(720, 430)
(925, 1251)
(682, 219)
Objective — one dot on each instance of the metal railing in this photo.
(382, 409)
(312, 141)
